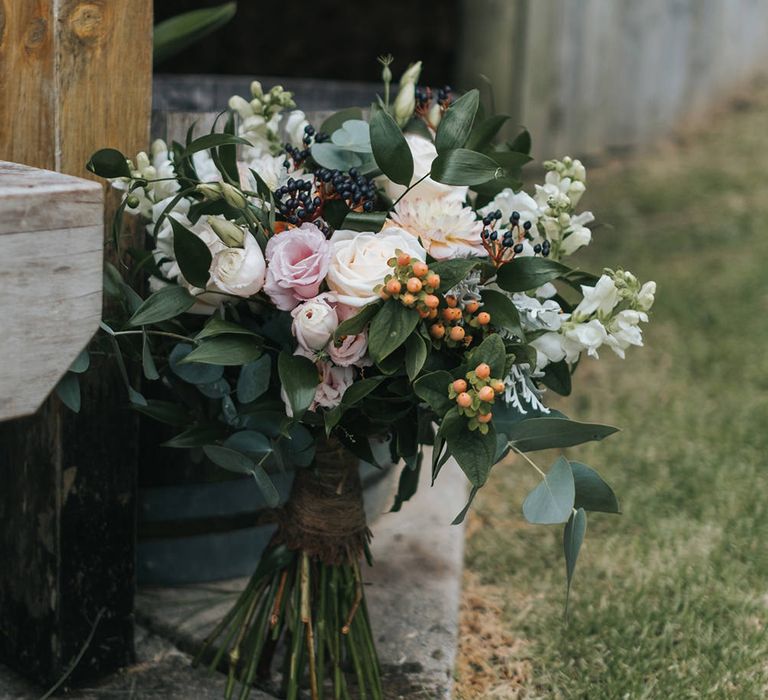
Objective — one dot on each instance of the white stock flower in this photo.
(584, 336)
(624, 330)
(601, 298)
(359, 262)
(290, 127)
(446, 228)
(423, 152)
(549, 348)
(239, 271)
(314, 322)
(646, 296)
(508, 201)
(577, 235)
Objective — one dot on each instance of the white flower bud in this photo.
(435, 115)
(212, 192)
(232, 196)
(230, 233)
(256, 89)
(241, 106)
(405, 103)
(158, 146)
(142, 161)
(411, 75)
(646, 296)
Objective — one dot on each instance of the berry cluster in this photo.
(511, 243)
(459, 324)
(475, 395)
(299, 201)
(299, 155)
(413, 284)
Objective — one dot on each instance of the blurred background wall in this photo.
(585, 76)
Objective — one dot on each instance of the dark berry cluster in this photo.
(511, 243)
(423, 97)
(299, 155)
(295, 201)
(355, 189)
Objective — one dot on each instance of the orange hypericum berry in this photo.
(464, 399)
(498, 386)
(457, 333)
(451, 300)
(431, 301)
(423, 313)
(433, 280)
(394, 286)
(483, 318)
(408, 299)
(403, 259)
(472, 306)
(433, 313)
(484, 418)
(414, 285)
(486, 393)
(437, 330)
(420, 269)
(459, 386)
(482, 371)
(456, 314)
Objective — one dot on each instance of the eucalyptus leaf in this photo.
(573, 537)
(192, 373)
(552, 500)
(230, 459)
(336, 120)
(592, 492)
(81, 364)
(68, 390)
(335, 157)
(254, 379)
(164, 304)
(250, 442)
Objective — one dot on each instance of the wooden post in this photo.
(75, 77)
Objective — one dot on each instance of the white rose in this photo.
(646, 296)
(359, 262)
(601, 298)
(585, 336)
(239, 271)
(314, 322)
(423, 152)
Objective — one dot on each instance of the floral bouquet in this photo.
(381, 276)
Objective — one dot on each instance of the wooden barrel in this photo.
(196, 521)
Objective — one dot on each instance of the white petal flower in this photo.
(584, 336)
(445, 227)
(549, 348)
(646, 296)
(601, 298)
(239, 271)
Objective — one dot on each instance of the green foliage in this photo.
(452, 271)
(226, 350)
(415, 355)
(557, 376)
(68, 390)
(358, 322)
(218, 326)
(407, 485)
(390, 149)
(503, 312)
(473, 451)
(552, 500)
(177, 33)
(337, 119)
(573, 537)
(254, 379)
(213, 140)
(485, 131)
(492, 352)
(192, 373)
(164, 304)
(592, 493)
(433, 389)
(456, 124)
(108, 163)
(461, 166)
(524, 274)
(299, 379)
(534, 434)
(191, 254)
(389, 329)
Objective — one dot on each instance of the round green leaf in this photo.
(552, 500)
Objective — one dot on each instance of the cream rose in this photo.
(314, 322)
(239, 271)
(359, 262)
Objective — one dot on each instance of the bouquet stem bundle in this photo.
(307, 593)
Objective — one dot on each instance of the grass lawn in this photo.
(670, 598)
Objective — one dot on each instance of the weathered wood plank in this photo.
(76, 76)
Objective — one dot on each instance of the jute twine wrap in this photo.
(324, 515)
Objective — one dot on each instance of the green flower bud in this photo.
(231, 234)
(212, 192)
(256, 89)
(132, 201)
(232, 196)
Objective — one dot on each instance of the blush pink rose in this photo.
(353, 349)
(297, 264)
(334, 381)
